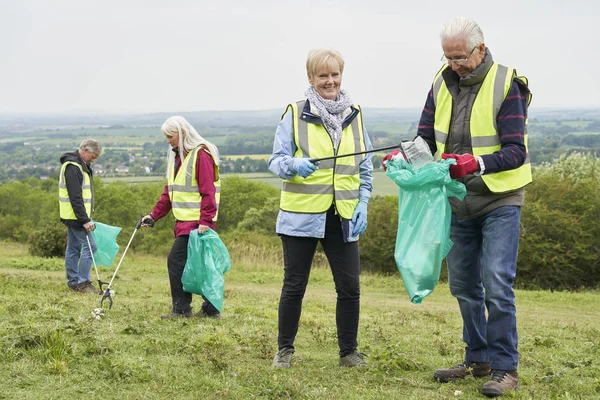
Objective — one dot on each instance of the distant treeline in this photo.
(559, 236)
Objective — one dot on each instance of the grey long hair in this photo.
(463, 27)
(189, 139)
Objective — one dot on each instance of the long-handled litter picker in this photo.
(109, 292)
(396, 146)
(100, 283)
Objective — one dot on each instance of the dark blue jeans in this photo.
(298, 253)
(481, 272)
(182, 301)
(78, 258)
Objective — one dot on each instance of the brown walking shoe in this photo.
(500, 381)
(85, 287)
(461, 371)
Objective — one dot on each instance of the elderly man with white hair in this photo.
(76, 203)
(476, 113)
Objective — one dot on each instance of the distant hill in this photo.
(244, 118)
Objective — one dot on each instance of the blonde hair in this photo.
(189, 139)
(319, 59)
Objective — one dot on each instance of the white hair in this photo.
(189, 139)
(92, 146)
(461, 27)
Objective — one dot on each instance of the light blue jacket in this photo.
(281, 164)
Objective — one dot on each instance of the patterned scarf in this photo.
(330, 111)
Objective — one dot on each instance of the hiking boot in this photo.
(500, 381)
(204, 314)
(173, 314)
(461, 371)
(354, 359)
(85, 287)
(283, 358)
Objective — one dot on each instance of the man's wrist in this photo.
(481, 166)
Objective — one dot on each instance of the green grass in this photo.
(53, 348)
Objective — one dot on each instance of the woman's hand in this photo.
(202, 228)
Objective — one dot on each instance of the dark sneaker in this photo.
(354, 359)
(187, 314)
(500, 381)
(461, 371)
(283, 358)
(204, 314)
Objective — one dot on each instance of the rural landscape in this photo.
(54, 347)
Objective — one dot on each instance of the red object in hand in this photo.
(465, 164)
(388, 158)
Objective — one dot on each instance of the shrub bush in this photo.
(49, 242)
(378, 242)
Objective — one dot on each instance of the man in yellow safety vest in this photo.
(76, 202)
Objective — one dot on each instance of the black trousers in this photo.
(298, 253)
(176, 264)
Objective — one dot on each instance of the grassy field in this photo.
(53, 348)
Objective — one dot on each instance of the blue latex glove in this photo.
(359, 219)
(304, 167)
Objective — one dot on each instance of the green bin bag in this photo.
(423, 238)
(207, 262)
(106, 242)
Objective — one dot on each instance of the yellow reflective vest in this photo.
(336, 181)
(65, 208)
(183, 188)
(484, 136)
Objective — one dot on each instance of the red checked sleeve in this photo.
(205, 175)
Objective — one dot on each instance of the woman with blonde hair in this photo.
(324, 204)
(192, 194)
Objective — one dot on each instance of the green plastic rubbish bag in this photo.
(424, 215)
(106, 242)
(207, 262)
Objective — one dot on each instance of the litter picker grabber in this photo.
(109, 292)
(100, 283)
(396, 146)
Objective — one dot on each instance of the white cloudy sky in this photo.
(147, 55)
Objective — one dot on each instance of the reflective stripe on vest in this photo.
(482, 124)
(65, 207)
(336, 181)
(183, 189)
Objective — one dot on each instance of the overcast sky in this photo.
(150, 56)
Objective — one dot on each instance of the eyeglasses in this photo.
(457, 61)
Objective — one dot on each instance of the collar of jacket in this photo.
(315, 119)
(86, 167)
(475, 77)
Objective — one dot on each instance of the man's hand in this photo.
(202, 229)
(394, 155)
(359, 219)
(304, 167)
(89, 226)
(465, 164)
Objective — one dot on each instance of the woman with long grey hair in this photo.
(192, 194)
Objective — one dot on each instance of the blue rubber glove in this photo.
(359, 219)
(304, 167)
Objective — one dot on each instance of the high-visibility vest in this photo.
(336, 181)
(483, 128)
(65, 208)
(183, 188)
